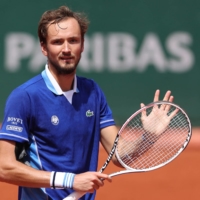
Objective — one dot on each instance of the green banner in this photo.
(131, 49)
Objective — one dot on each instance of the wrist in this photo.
(61, 180)
(147, 137)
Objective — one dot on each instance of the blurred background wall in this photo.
(132, 48)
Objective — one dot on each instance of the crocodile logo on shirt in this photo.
(89, 113)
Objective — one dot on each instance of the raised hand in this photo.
(158, 120)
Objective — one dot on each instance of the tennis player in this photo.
(53, 123)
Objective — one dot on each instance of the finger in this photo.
(163, 106)
(167, 96)
(144, 110)
(171, 98)
(103, 176)
(173, 114)
(168, 106)
(156, 96)
(98, 182)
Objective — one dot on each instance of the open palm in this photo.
(158, 120)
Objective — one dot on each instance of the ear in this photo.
(43, 48)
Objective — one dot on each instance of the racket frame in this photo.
(131, 170)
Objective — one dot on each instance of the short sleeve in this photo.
(16, 117)
(106, 117)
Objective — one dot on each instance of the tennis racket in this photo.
(150, 138)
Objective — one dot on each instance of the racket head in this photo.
(153, 151)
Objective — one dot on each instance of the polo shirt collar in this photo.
(53, 85)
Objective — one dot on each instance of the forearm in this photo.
(133, 149)
(20, 174)
(108, 136)
(15, 172)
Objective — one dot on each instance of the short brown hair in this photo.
(55, 16)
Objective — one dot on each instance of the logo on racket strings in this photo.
(89, 113)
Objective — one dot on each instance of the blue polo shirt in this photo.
(63, 129)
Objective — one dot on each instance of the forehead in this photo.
(65, 28)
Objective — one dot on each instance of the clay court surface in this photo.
(179, 180)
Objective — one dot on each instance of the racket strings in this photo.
(140, 149)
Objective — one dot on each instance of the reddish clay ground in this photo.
(179, 180)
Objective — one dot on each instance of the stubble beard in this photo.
(64, 70)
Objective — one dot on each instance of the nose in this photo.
(66, 47)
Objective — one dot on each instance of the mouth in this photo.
(67, 58)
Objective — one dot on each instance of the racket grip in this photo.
(74, 196)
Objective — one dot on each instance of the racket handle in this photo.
(74, 196)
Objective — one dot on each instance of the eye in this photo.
(74, 40)
(57, 42)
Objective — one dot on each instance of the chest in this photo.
(57, 118)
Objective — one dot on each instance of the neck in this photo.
(65, 81)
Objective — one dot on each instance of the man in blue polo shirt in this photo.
(53, 123)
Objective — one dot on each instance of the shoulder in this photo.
(28, 86)
(31, 83)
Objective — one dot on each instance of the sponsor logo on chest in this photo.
(54, 120)
(89, 113)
